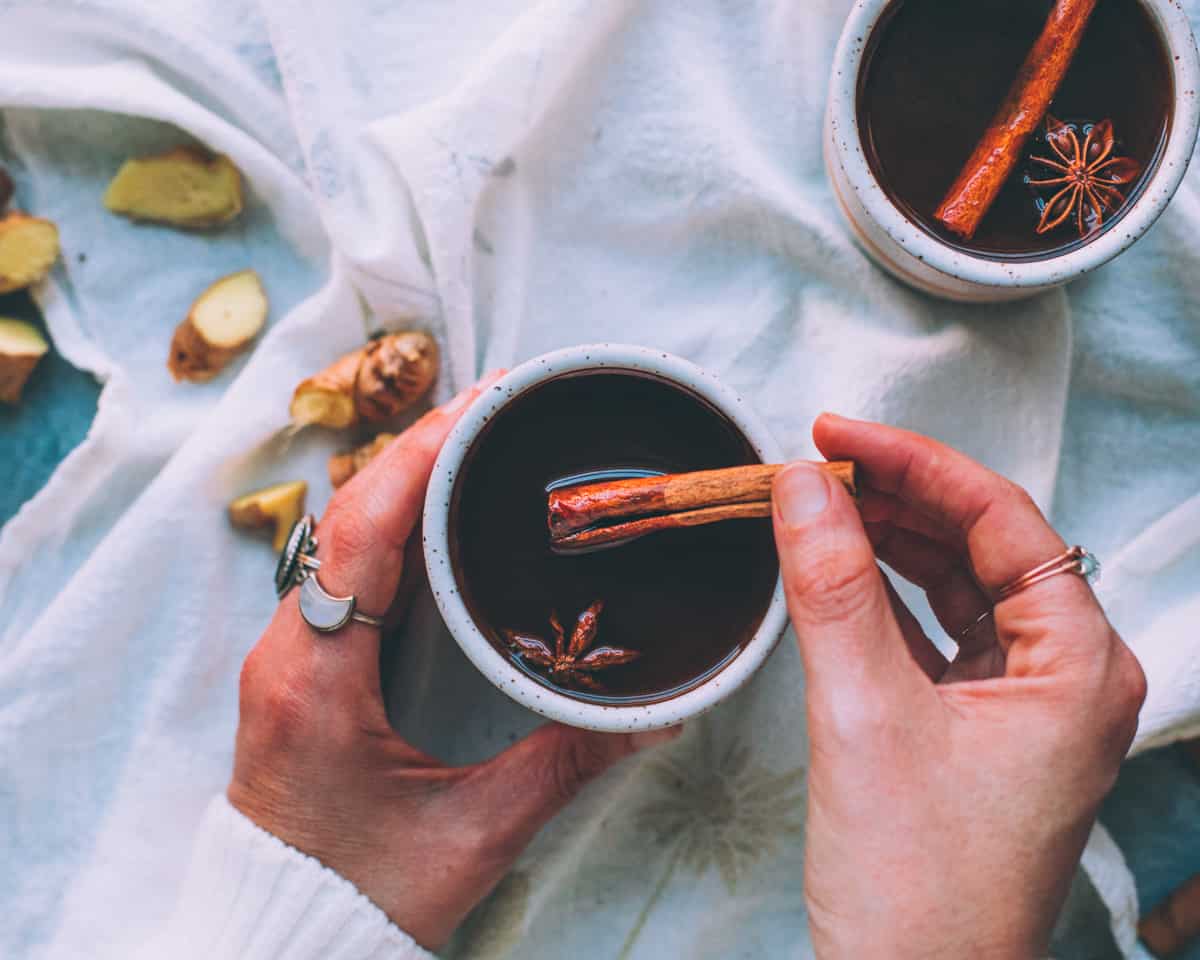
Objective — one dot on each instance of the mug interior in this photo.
(603, 713)
(1035, 269)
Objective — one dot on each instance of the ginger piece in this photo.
(7, 189)
(21, 347)
(328, 398)
(345, 465)
(28, 249)
(373, 383)
(221, 323)
(1175, 923)
(278, 506)
(185, 187)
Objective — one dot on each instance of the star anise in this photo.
(571, 664)
(1089, 175)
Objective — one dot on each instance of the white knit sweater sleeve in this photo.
(248, 895)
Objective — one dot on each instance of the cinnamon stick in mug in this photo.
(973, 193)
(582, 516)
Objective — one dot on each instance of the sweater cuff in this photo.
(250, 896)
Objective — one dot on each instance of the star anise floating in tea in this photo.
(1089, 175)
(571, 664)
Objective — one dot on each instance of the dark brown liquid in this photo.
(936, 71)
(687, 599)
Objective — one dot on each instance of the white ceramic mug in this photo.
(915, 256)
(495, 665)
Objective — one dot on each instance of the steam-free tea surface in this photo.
(936, 71)
(688, 600)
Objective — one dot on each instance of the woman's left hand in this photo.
(318, 765)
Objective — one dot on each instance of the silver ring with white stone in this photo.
(326, 613)
(320, 609)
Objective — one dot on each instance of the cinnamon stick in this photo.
(583, 516)
(1175, 923)
(973, 193)
(623, 532)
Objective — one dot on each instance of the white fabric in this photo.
(516, 176)
(248, 896)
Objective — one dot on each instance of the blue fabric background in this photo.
(1153, 813)
(55, 413)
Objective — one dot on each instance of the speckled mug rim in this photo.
(1157, 193)
(496, 667)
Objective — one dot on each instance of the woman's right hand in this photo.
(948, 803)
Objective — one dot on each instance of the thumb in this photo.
(531, 781)
(855, 658)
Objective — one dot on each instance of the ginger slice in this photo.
(328, 397)
(184, 187)
(21, 347)
(373, 383)
(345, 465)
(221, 323)
(278, 506)
(28, 249)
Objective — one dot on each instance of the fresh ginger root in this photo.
(1175, 923)
(278, 507)
(28, 249)
(21, 347)
(185, 187)
(222, 322)
(345, 465)
(371, 384)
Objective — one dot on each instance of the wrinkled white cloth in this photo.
(515, 176)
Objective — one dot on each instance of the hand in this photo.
(318, 765)
(948, 803)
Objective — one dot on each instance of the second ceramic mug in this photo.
(438, 530)
(920, 259)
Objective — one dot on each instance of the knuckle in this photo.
(251, 677)
(580, 760)
(351, 534)
(831, 586)
(284, 706)
(481, 844)
(1111, 700)
(1132, 684)
(1023, 499)
(856, 721)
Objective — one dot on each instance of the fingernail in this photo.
(655, 738)
(801, 493)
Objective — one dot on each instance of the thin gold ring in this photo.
(1078, 560)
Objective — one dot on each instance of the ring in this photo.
(320, 609)
(1078, 560)
(326, 613)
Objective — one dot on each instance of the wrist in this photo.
(942, 948)
(926, 939)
